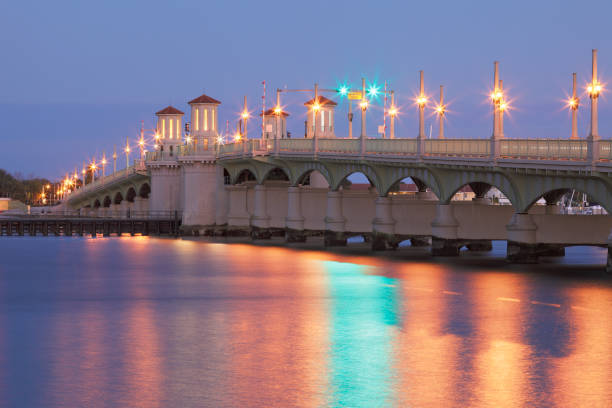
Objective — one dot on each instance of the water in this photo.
(145, 322)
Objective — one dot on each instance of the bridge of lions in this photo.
(268, 191)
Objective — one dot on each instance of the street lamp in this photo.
(441, 110)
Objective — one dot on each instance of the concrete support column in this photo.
(295, 220)
(221, 210)
(444, 239)
(551, 209)
(238, 218)
(521, 241)
(139, 206)
(383, 226)
(199, 197)
(124, 207)
(334, 220)
(609, 262)
(114, 210)
(260, 222)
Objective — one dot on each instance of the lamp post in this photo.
(103, 164)
(594, 89)
(278, 134)
(421, 102)
(114, 159)
(392, 114)
(501, 107)
(441, 110)
(495, 99)
(93, 170)
(245, 119)
(364, 108)
(573, 105)
(315, 110)
(127, 152)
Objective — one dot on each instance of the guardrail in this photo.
(551, 149)
(457, 147)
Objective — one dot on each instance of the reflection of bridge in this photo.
(298, 186)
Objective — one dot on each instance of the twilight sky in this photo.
(77, 77)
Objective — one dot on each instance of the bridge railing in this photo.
(457, 147)
(605, 150)
(337, 145)
(295, 145)
(548, 149)
(391, 146)
(118, 175)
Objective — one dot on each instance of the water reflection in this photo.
(150, 322)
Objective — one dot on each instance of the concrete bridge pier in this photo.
(294, 222)
(335, 234)
(383, 226)
(444, 227)
(522, 247)
(221, 206)
(238, 217)
(199, 197)
(260, 221)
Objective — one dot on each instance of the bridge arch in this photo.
(144, 190)
(130, 195)
(395, 175)
(107, 202)
(453, 182)
(339, 174)
(594, 188)
(302, 170)
(97, 204)
(118, 198)
(244, 175)
(275, 173)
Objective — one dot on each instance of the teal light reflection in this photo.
(364, 315)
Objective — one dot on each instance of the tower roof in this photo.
(204, 99)
(170, 110)
(322, 101)
(270, 112)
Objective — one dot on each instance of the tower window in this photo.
(205, 119)
(323, 121)
(197, 119)
(163, 128)
(171, 129)
(212, 119)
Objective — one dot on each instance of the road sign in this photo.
(354, 95)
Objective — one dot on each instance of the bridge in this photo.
(296, 187)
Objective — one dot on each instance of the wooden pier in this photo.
(88, 227)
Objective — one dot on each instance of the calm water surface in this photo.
(144, 322)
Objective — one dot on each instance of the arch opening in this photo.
(227, 179)
(131, 194)
(244, 176)
(412, 187)
(276, 174)
(355, 181)
(107, 202)
(567, 201)
(144, 191)
(97, 204)
(118, 198)
(479, 191)
(313, 178)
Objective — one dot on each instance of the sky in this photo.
(78, 77)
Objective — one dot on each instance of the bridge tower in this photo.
(204, 121)
(320, 117)
(165, 173)
(203, 189)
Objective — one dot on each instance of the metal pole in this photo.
(494, 98)
(385, 113)
(363, 109)
(244, 121)
(316, 108)
(574, 108)
(103, 164)
(501, 110)
(114, 159)
(127, 152)
(594, 97)
(277, 135)
(350, 118)
(392, 123)
(441, 130)
(421, 106)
